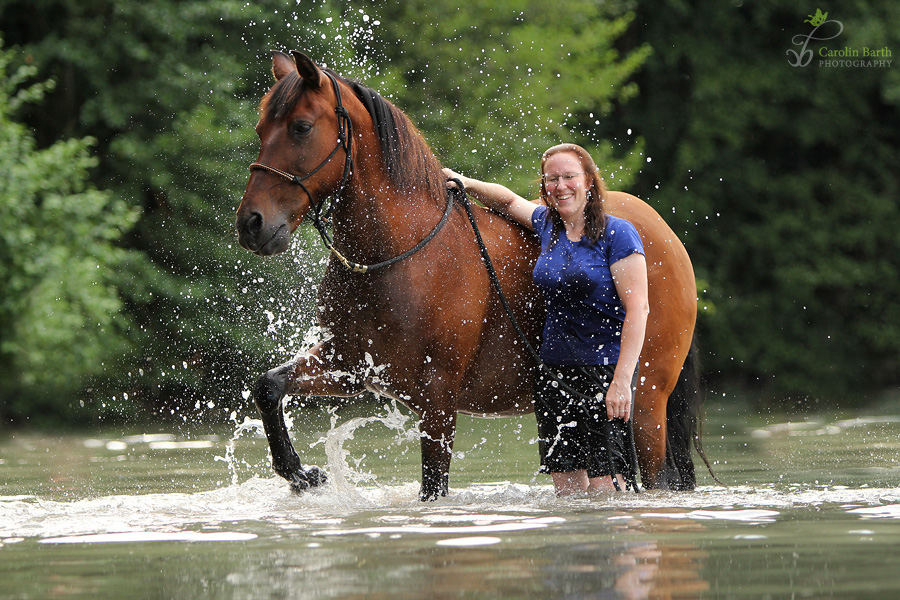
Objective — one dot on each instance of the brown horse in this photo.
(426, 328)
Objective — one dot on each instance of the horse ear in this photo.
(307, 69)
(282, 64)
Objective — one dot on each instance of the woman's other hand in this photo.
(618, 401)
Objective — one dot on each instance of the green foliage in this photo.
(493, 93)
(168, 89)
(61, 317)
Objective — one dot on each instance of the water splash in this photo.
(248, 425)
(344, 478)
(344, 508)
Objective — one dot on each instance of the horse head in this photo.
(305, 153)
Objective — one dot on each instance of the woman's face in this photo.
(566, 193)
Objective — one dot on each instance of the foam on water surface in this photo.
(151, 536)
(329, 511)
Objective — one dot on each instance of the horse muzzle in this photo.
(259, 237)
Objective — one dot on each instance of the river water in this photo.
(811, 510)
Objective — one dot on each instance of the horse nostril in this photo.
(254, 223)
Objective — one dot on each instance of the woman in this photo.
(593, 275)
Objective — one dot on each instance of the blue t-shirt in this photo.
(584, 311)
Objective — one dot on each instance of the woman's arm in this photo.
(630, 278)
(498, 198)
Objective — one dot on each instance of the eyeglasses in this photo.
(554, 179)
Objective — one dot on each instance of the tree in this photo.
(493, 93)
(61, 318)
(165, 89)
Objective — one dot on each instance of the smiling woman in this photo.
(593, 276)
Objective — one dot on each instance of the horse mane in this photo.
(282, 98)
(408, 160)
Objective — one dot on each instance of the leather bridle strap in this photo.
(345, 141)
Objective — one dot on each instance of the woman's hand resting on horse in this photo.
(496, 197)
(451, 175)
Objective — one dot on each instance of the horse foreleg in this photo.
(437, 430)
(308, 375)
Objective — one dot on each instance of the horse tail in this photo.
(684, 422)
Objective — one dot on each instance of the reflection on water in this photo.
(812, 510)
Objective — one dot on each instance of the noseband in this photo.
(321, 213)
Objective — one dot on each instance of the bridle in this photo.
(321, 213)
(345, 141)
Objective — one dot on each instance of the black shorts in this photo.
(572, 432)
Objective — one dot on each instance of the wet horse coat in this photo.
(432, 319)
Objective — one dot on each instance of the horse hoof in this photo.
(304, 479)
(315, 476)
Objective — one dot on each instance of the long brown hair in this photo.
(594, 215)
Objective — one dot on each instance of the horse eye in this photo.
(300, 128)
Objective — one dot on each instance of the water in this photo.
(812, 509)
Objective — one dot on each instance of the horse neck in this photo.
(375, 220)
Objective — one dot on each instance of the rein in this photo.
(320, 214)
(631, 475)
